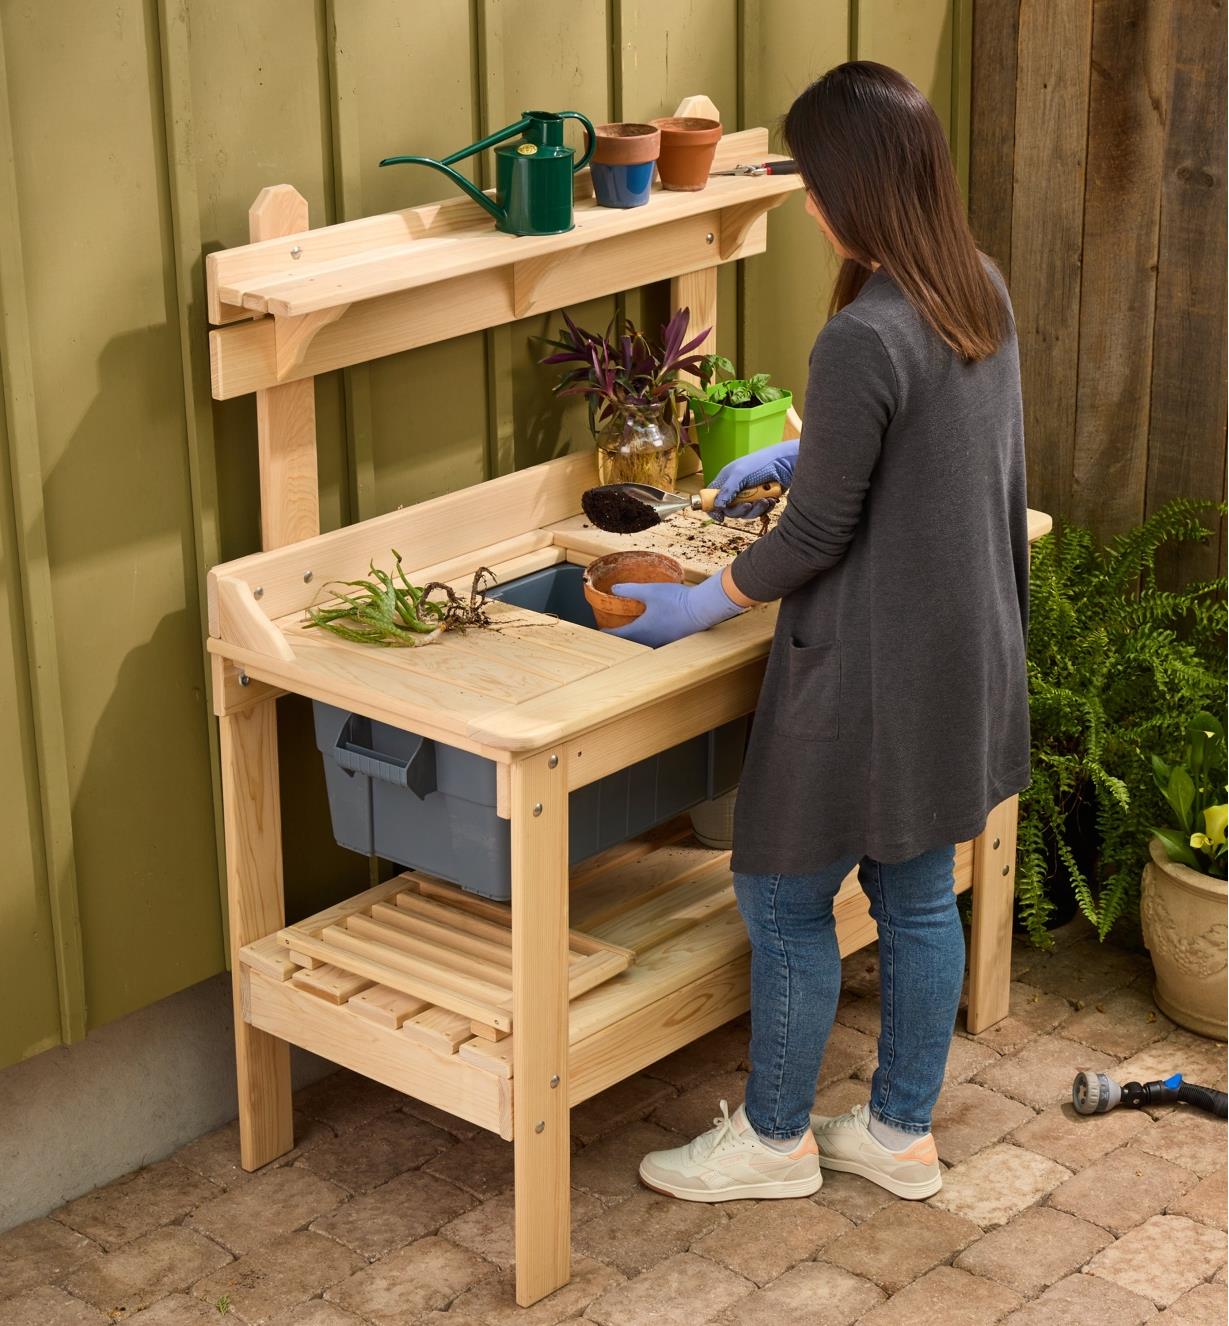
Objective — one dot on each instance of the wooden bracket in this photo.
(242, 622)
(527, 277)
(292, 337)
(736, 222)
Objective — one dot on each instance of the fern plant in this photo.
(1116, 667)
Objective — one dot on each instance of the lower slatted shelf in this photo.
(657, 913)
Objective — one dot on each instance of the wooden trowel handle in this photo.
(761, 492)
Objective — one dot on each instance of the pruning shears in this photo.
(783, 167)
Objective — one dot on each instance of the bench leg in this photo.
(252, 815)
(994, 890)
(541, 1122)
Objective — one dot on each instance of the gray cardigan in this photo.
(894, 711)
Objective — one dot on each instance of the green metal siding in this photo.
(140, 133)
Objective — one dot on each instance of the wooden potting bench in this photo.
(499, 1015)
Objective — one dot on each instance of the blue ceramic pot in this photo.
(622, 166)
(622, 186)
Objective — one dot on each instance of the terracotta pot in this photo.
(687, 148)
(626, 144)
(620, 568)
(1184, 924)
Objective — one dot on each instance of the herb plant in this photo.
(734, 390)
(1117, 666)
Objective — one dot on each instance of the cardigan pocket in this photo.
(809, 704)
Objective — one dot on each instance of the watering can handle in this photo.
(590, 137)
(491, 140)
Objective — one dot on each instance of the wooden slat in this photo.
(993, 128)
(390, 1008)
(1122, 212)
(420, 916)
(1051, 130)
(439, 955)
(268, 956)
(329, 982)
(1186, 435)
(440, 1029)
(994, 874)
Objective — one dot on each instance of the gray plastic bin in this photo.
(431, 807)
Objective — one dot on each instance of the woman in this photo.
(894, 713)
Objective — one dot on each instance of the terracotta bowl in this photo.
(688, 146)
(621, 568)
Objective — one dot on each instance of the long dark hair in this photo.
(872, 153)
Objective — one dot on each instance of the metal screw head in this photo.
(997, 843)
(537, 809)
(307, 575)
(709, 238)
(258, 592)
(554, 1080)
(1006, 870)
(244, 679)
(540, 1126)
(296, 252)
(553, 762)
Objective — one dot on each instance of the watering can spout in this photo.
(499, 213)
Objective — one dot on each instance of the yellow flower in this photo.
(1214, 820)
(1200, 840)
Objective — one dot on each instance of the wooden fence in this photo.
(1097, 180)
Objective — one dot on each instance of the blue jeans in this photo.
(796, 979)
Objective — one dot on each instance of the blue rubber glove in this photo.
(770, 464)
(673, 611)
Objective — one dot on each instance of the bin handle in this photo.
(416, 773)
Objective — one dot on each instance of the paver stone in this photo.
(399, 1288)
(968, 1118)
(855, 1198)
(46, 1306)
(39, 1252)
(1085, 971)
(945, 1297)
(693, 1112)
(184, 1310)
(1034, 1250)
(847, 1052)
(611, 1167)
(346, 1100)
(490, 1229)
(1041, 1073)
(276, 1277)
(147, 1269)
(482, 1166)
(1120, 1024)
(1189, 1138)
(274, 1203)
(1085, 1298)
(633, 1098)
(122, 1211)
(1123, 1189)
(997, 1184)
(1076, 1140)
(719, 1051)
(1162, 1258)
(1205, 1202)
(810, 1294)
(646, 1229)
(493, 1301)
(1030, 1013)
(684, 1290)
(388, 1217)
(387, 1146)
(1202, 1306)
(763, 1242)
(900, 1243)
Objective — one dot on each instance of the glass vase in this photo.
(640, 445)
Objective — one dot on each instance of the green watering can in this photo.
(533, 178)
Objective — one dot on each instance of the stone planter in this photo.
(1184, 923)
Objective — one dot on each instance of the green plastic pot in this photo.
(727, 432)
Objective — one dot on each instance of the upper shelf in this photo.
(348, 293)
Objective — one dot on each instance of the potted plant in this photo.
(1183, 893)
(1116, 666)
(635, 392)
(738, 415)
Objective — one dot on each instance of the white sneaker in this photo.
(847, 1144)
(729, 1161)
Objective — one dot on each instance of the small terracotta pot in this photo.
(622, 568)
(687, 148)
(626, 144)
